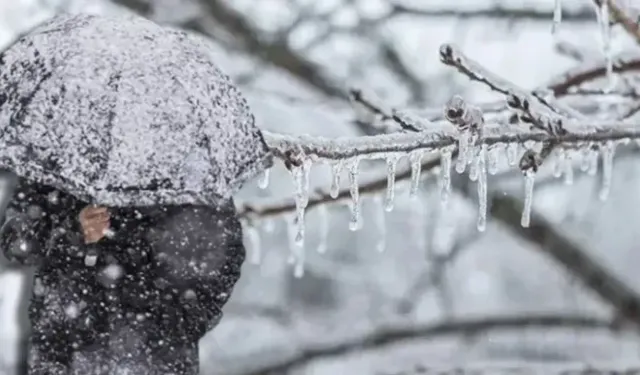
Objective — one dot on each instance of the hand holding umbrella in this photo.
(95, 223)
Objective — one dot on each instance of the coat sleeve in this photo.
(199, 253)
(26, 227)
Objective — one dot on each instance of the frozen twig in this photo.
(368, 104)
(450, 55)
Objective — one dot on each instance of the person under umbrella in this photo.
(134, 302)
(123, 145)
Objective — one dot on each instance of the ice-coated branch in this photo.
(536, 104)
(293, 149)
(393, 335)
(321, 197)
(368, 106)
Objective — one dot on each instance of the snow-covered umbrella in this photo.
(121, 111)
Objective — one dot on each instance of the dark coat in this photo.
(136, 303)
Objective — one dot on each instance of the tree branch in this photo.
(567, 253)
(292, 149)
(393, 335)
(583, 14)
(625, 62)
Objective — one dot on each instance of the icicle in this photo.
(558, 166)
(253, 236)
(593, 162)
(323, 217)
(568, 169)
(381, 224)
(392, 162)
(529, 180)
(464, 143)
(493, 159)
(306, 168)
(602, 15)
(355, 222)
(336, 169)
(263, 182)
(482, 189)
(301, 180)
(475, 160)
(298, 267)
(557, 16)
(607, 169)
(299, 240)
(512, 153)
(445, 175)
(584, 160)
(415, 159)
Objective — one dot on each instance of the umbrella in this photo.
(120, 111)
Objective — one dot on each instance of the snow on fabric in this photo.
(121, 111)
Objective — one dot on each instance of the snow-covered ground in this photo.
(352, 289)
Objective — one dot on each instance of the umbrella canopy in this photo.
(120, 111)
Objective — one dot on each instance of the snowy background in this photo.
(357, 310)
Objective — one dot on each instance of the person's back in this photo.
(136, 302)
